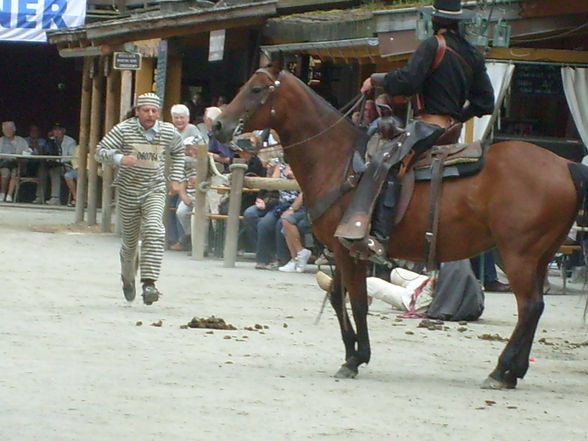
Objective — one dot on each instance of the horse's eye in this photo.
(256, 89)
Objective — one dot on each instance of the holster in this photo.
(419, 136)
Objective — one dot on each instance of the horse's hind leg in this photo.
(526, 279)
(357, 346)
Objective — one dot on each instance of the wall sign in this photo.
(126, 61)
(216, 46)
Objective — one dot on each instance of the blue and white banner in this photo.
(28, 20)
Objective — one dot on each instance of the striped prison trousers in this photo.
(142, 217)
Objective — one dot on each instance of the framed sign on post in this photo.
(216, 47)
(126, 61)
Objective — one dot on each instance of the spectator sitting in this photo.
(246, 147)
(187, 196)
(490, 282)
(34, 140)
(181, 120)
(71, 176)
(59, 144)
(295, 224)
(222, 155)
(37, 145)
(262, 222)
(11, 144)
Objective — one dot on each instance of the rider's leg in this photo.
(419, 136)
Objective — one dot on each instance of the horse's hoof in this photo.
(345, 372)
(494, 384)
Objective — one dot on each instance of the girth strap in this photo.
(434, 206)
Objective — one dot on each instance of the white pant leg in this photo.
(184, 215)
(397, 296)
(407, 279)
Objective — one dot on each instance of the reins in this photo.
(357, 100)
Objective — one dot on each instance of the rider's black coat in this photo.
(446, 89)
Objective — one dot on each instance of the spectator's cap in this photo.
(448, 9)
(58, 126)
(148, 99)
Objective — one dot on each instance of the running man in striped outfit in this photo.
(138, 146)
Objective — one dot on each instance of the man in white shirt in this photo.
(58, 145)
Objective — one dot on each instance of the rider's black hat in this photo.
(448, 9)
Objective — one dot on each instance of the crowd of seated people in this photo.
(50, 172)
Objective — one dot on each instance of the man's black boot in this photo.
(150, 292)
(385, 209)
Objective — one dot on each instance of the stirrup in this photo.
(364, 248)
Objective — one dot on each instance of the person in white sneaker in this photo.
(11, 144)
(295, 224)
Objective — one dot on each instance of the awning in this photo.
(164, 25)
(346, 49)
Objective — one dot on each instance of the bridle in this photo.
(271, 88)
(267, 98)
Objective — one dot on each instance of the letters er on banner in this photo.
(28, 20)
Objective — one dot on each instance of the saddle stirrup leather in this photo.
(355, 222)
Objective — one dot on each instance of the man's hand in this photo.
(367, 85)
(186, 199)
(174, 187)
(128, 160)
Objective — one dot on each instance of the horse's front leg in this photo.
(527, 284)
(337, 299)
(353, 276)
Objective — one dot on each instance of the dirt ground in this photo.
(79, 363)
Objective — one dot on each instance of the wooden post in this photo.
(238, 169)
(173, 86)
(144, 77)
(82, 183)
(95, 134)
(112, 116)
(469, 131)
(199, 220)
(126, 103)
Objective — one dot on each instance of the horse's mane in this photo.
(322, 104)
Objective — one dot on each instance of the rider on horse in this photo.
(448, 76)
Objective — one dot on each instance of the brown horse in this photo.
(523, 202)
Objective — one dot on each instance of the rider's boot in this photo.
(419, 136)
(384, 211)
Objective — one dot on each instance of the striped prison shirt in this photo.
(149, 146)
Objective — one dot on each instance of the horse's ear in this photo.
(265, 58)
(277, 59)
(271, 60)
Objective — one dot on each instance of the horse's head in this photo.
(252, 107)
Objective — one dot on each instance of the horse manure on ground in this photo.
(492, 337)
(157, 324)
(432, 325)
(211, 322)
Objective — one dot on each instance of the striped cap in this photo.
(148, 99)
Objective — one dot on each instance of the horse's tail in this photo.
(579, 174)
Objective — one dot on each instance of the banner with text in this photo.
(28, 20)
